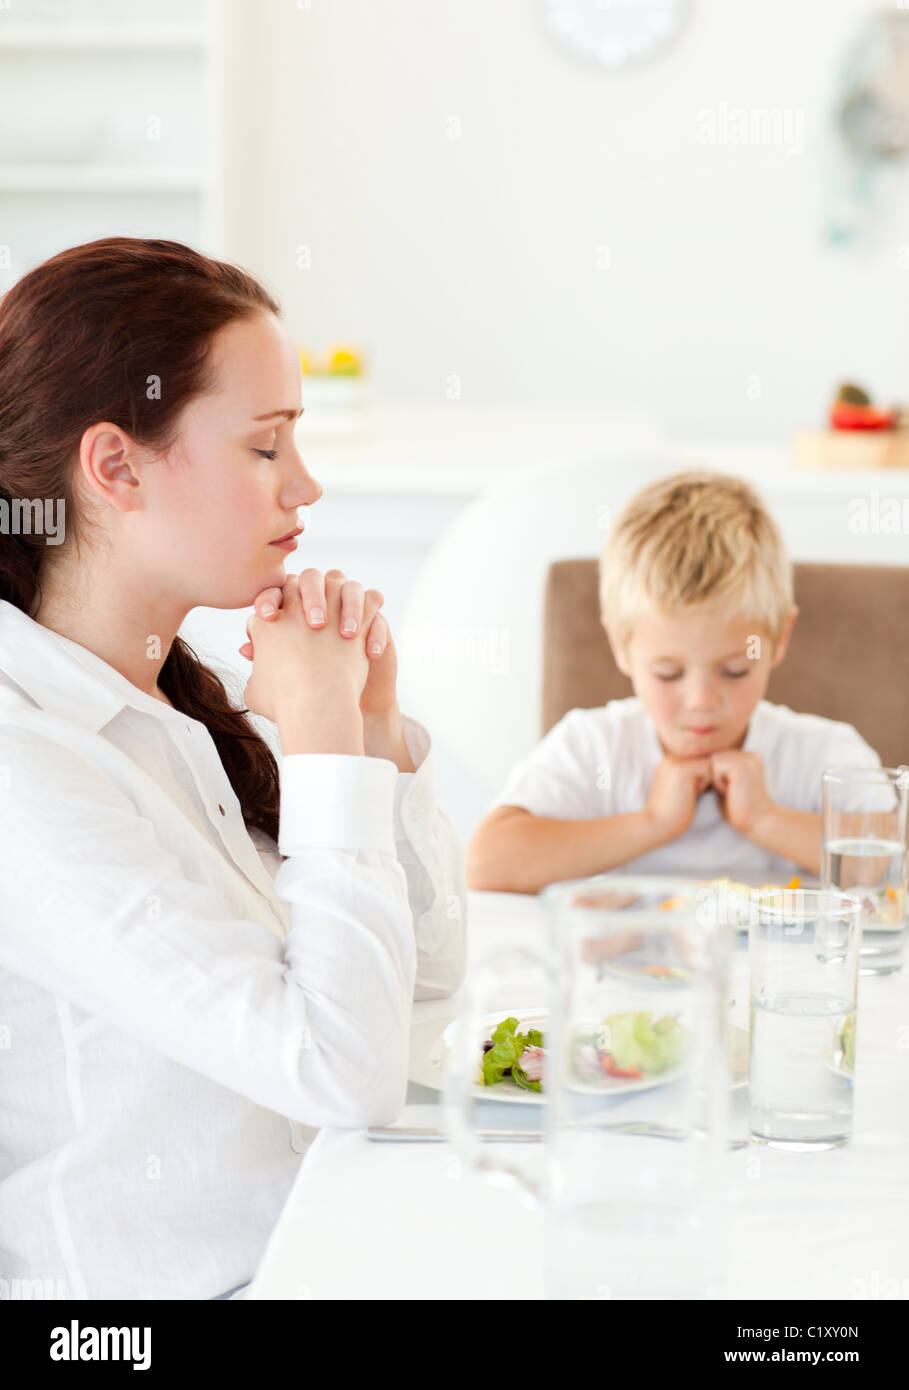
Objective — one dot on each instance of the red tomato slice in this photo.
(609, 1066)
(845, 415)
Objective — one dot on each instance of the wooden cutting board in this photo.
(851, 448)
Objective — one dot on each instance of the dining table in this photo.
(413, 1220)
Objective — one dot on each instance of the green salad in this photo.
(503, 1052)
(632, 1045)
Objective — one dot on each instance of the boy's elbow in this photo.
(493, 876)
(496, 861)
(478, 880)
(483, 866)
(488, 859)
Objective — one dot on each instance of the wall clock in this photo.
(613, 33)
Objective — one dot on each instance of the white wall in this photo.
(476, 256)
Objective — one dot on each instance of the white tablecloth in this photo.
(369, 1220)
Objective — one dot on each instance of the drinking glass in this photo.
(635, 1089)
(804, 952)
(864, 855)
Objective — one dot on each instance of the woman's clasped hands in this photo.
(324, 661)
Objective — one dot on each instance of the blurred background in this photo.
(533, 252)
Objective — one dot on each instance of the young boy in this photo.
(696, 774)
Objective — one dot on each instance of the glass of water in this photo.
(634, 1061)
(864, 855)
(640, 1077)
(804, 953)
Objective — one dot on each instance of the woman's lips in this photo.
(288, 542)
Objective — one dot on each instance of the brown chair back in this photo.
(848, 656)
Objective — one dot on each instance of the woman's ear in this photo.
(783, 642)
(618, 654)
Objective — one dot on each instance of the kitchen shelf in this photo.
(98, 178)
(20, 34)
(74, 92)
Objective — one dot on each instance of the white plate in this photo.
(430, 1041)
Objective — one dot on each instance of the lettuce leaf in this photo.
(507, 1046)
(634, 1040)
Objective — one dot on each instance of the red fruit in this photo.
(845, 415)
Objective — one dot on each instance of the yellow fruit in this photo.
(345, 362)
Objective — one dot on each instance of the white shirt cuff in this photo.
(337, 801)
(415, 792)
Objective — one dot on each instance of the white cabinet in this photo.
(109, 125)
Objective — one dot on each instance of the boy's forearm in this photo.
(523, 853)
(794, 835)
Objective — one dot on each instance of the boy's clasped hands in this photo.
(735, 775)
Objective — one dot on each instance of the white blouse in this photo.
(180, 1010)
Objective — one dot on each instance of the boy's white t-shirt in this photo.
(601, 762)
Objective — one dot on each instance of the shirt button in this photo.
(221, 809)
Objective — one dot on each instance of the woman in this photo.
(200, 962)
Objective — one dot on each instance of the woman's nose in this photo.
(307, 488)
(313, 488)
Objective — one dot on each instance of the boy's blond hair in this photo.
(695, 540)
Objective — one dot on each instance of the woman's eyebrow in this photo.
(288, 414)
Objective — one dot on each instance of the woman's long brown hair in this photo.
(77, 336)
